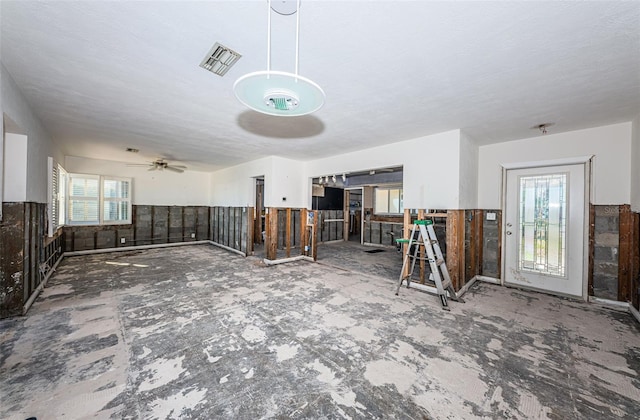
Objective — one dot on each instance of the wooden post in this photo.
(422, 250)
(271, 247)
(499, 256)
(624, 253)
(592, 242)
(479, 240)
(635, 254)
(455, 247)
(314, 237)
(304, 233)
(288, 232)
(406, 233)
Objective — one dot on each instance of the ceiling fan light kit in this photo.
(280, 93)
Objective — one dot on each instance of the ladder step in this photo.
(439, 262)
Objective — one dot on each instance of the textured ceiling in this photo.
(103, 76)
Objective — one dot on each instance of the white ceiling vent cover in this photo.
(219, 59)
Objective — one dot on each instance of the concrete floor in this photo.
(353, 257)
(197, 332)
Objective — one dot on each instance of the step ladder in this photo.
(423, 234)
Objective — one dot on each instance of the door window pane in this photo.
(542, 230)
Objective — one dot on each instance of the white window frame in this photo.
(100, 200)
(104, 199)
(388, 189)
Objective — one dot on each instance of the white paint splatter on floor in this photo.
(211, 359)
(285, 351)
(254, 334)
(176, 404)
(162, 371)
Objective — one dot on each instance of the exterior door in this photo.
(544, 229)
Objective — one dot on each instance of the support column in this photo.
(455, 247)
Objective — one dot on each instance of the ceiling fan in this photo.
(159, 165)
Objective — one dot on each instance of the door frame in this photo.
(587, 162)
(348, 217)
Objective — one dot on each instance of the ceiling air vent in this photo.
(219, 59)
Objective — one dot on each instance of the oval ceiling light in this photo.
(279, 93)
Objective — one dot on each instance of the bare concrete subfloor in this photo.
(352, 256)
(197, 332)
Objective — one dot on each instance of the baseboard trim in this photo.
(634, 312)
(287, 260)
(464, 289)
(41, 286)
(132, 248)
(486, 279)
(227, 248)
(614, 304)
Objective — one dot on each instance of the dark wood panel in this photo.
(624, 253)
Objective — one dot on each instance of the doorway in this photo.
(353, 214)
(544, 234)
(259, 216)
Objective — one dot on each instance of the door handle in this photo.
(508, 232)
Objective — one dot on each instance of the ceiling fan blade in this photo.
(137, 164)
(174, 169)
(153, 168)
(179, 166)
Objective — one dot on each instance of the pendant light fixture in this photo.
(276, 92)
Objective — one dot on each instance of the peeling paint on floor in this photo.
(196, 332)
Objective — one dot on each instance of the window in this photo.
(94, 199)
(543, 224)
(388, 201)
(115, 194)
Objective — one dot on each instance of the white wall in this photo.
(40, 144)
(431, 168)
(287, 181)
(468, 173)
(235, 186)
(162, 188)
(610, 144)
(635, 164)
(431, 174)
(15, 168)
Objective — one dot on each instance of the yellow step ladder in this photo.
(426, 236)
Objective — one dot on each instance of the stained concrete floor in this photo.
(352, 256)
(197, 332)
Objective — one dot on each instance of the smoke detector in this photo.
(219, 59)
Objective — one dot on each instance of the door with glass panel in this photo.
(544, 229)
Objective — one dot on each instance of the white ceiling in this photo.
(103, 76)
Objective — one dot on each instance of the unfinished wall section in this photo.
(26, 254)
(491, 243)
(330, 225)
(232, 227)
(289, 233)
(149, 226)
(605, 252)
